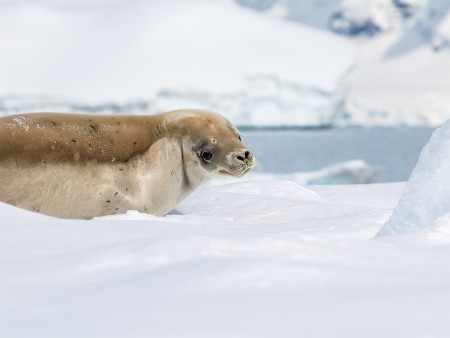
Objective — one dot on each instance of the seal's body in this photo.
(82, 166)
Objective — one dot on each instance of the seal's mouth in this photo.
(224, 173)
(238, 172)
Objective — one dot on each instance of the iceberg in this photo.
(426, 197)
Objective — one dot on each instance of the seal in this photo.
(83, 166)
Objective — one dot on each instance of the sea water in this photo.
(392, 151)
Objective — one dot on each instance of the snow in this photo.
(399, 78)
(426, 197)
(249, 259)
(364, 17)
(121, 51)
(416, 93)
(442, 33)
(263, 256)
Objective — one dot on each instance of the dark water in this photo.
(393, 151)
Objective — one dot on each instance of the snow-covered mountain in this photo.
(167, 55)
(402, 74)
(260, 63)
(361, 17)
(400, 77)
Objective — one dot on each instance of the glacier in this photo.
(264, 101)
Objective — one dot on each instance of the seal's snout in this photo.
(238, 163)
(242, 162)
(244, 156)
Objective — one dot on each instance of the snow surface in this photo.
(249, 259)
(143, 50)
(425, 202)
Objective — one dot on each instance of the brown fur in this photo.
(82, 166)
(49, 138)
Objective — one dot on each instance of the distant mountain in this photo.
(401, 76)
(141, 57)
(309, 63)
(365, 17)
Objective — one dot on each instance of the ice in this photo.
(441, 230)
(263, 101)
(427, 194)
(349, 172)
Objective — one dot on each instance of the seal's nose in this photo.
(244, 155)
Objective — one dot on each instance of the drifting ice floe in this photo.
(348, 172)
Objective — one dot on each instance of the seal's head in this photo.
(213, 144)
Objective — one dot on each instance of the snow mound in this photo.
(427, 194)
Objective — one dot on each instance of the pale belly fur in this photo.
(151, 183)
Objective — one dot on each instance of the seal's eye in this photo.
(240, 138)
(206, 156)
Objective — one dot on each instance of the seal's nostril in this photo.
(240, 158)
(247, 154)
